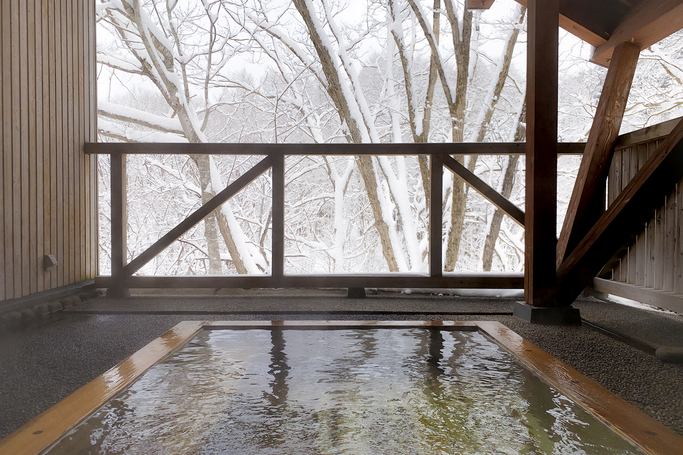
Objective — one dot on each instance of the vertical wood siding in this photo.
(654, 258)
(47, 108)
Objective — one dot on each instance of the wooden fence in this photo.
(649, 268)
(123, 273)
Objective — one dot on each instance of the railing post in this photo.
(436, 216)
(278, 220)
(119, 222)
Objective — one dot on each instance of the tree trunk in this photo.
(365, 166)
(508, 184)
(461, 44)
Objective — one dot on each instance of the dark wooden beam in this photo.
(623, 218)
(648, 22)
(482, 187)
(588, 197)
(436, 216)
(541, 153)
(278, 218)
(576, 28)
(650, 133)
(488, 280)
(466, 148)
(119, 222)
(196, 217)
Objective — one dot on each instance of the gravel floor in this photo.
(43, 362)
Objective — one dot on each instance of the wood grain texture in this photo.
(652, 258)
(47, 183)
(436, 216)
(541, 153)
(660, 173)
(388, 149)
(587, 200)
(647, 23)
(5, 133)
(40, 432)
(625, 419)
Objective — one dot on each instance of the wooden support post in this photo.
(541, 153)
(436, 216)
(588, 198)
(119, 221)
(278, 219)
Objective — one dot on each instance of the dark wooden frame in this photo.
(122, 277)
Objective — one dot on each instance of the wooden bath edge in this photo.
(631, 423)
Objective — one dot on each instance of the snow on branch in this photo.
(142, 118)
(119, 64)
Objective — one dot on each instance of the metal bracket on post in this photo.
(356, 293)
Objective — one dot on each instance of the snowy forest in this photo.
(336, 71)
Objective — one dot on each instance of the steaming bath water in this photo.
(355, 391)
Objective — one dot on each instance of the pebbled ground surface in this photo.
(44, 361)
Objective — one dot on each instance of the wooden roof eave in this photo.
(647, 23)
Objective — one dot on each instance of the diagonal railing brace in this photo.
(198, 215)
(482, 187)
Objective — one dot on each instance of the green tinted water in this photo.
(367, 391)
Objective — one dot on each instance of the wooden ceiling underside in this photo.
(607, 23)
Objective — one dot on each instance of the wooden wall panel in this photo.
(4, 115)
(48, 109)
(654, 259)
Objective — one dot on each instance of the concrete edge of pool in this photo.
(632, 424)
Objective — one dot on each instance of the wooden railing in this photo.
(123, 278)
(649, 268)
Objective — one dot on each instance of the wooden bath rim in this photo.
(632, 424)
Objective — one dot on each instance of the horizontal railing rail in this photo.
(391, 149)
(123, 277)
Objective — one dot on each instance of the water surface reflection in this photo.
(356, 391)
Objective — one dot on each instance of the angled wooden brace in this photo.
(623, 218)
(196, 216)
(482, 187)
(588, 197)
